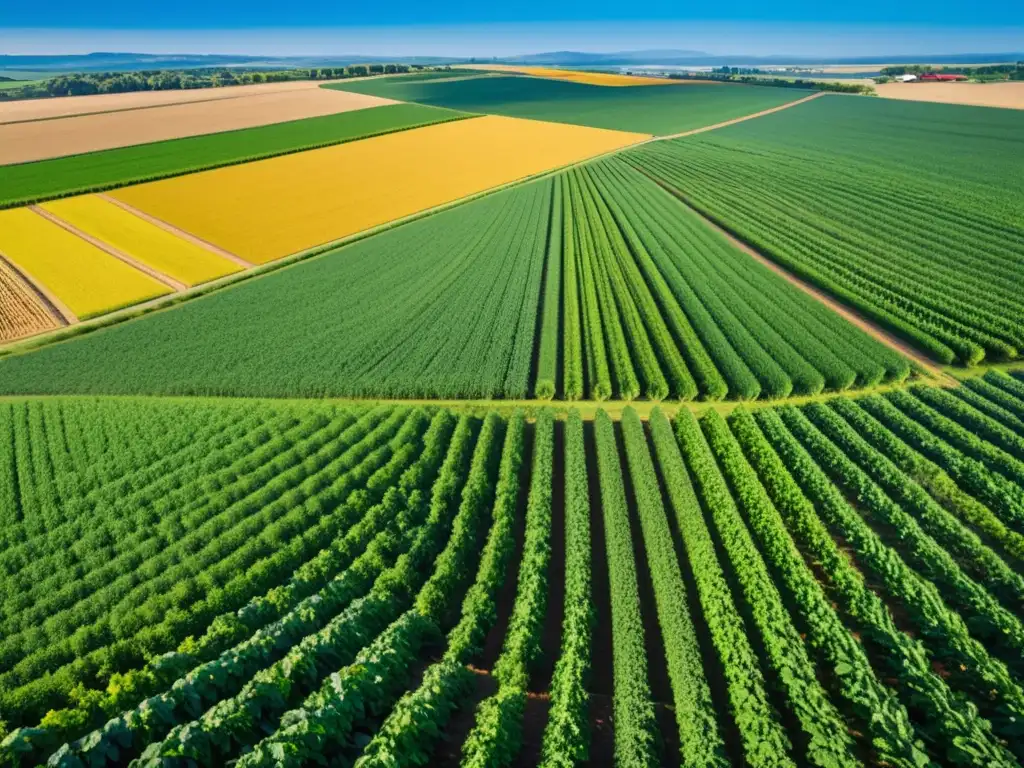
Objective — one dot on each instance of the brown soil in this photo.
(22, 311)
(601, 648)
(65, 106)
(181, 233)
(106, 248)
(1009, 95)
(27, 141)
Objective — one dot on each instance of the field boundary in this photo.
(61, 312)
(126, 314)
(851, 315)
(177, 232)
(106, 187)
(118, 254)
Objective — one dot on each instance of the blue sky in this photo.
(454, 27)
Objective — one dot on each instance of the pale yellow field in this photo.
(184, 261)
(574, 76)
(268, 209)
(80, 275)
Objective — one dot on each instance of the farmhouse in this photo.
(935, 77)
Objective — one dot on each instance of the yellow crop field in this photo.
(79, 274)
(575, 76)
(170, 255)
(268, 209)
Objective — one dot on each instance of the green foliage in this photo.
(633, 708)
(858, 206)
(700, 743)
(411, 312)
(566, 738)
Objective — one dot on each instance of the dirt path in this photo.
(762, 113)
(180, 233)
(849, 314)
(54, 305)
(170, 282)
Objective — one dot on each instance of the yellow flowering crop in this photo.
(271, 208)
(170, 255)
(82, 276)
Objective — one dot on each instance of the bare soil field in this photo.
(40, 140)
(66, 106)
(1009, 95)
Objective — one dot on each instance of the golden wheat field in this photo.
(21, 311)
(268, 209)
(83, 277)
(184, 261)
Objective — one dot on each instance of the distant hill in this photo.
(128, 62)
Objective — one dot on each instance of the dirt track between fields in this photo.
(762, 113)
(1008, 95)
(41, 140)
(851, 316)
(180, 233)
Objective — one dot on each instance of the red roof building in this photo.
(936, 77)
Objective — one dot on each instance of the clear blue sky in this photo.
(456, 27)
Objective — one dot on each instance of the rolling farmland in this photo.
(859, 205)
(95, 171)
(511, 428)
(86, 279)
(352, 582)
(386, 177)
(642, 109)
(595, 282)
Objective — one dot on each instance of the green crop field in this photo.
(909, 212)
(46, 179)
(561, 475)
(639, 295)
(659, 110)
(284, 583)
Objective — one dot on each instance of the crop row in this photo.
(656, 304)
(828, 585)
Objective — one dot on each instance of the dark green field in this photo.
(646, 109)
(30, 182)
(910, 212)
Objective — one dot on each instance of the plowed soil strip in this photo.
(166, 280)
(178, 232)
(55, 306)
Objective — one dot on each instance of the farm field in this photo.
(154, 247)
(658, 111)
(22, 311)
(66, 106)
(326, 194)
(850, 195)
(47, 179)
(287, 583)
(1006, 95)
(83, 277)
(592, 284)
(45, 139)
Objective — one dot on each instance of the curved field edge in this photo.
(171, 158)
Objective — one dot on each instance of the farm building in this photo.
(935, 77)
